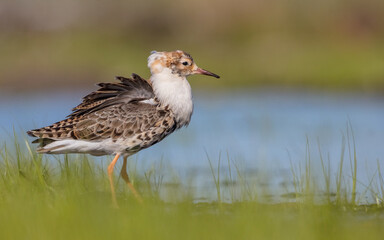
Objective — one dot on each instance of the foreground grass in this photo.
(69, 198)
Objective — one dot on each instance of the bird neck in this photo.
(175, 92)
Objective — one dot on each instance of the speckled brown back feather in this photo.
(113, 111)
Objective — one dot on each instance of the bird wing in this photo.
(125, 91)
(123, 121)
(113, 110)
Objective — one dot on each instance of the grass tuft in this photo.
(68, 197)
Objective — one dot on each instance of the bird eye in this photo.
(185, 63)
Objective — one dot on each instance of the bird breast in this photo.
(175, 92)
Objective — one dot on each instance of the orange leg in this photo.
(110, 175)
(124, 175)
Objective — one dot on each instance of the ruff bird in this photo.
(124, 117)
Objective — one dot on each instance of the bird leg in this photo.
(110, 176)
(124, 175)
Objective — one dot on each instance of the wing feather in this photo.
(128, 90)
(98, 116)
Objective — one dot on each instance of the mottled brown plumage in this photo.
(116, 111)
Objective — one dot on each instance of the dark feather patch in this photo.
(128, 90)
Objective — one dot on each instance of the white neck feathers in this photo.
(174, 91)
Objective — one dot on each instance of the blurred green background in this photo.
(297, 183)
(332, 45)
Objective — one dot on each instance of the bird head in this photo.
(177, 62)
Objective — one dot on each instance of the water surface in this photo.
(261, 130)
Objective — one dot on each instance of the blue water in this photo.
(260, 129)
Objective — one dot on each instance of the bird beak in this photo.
(205, 72)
